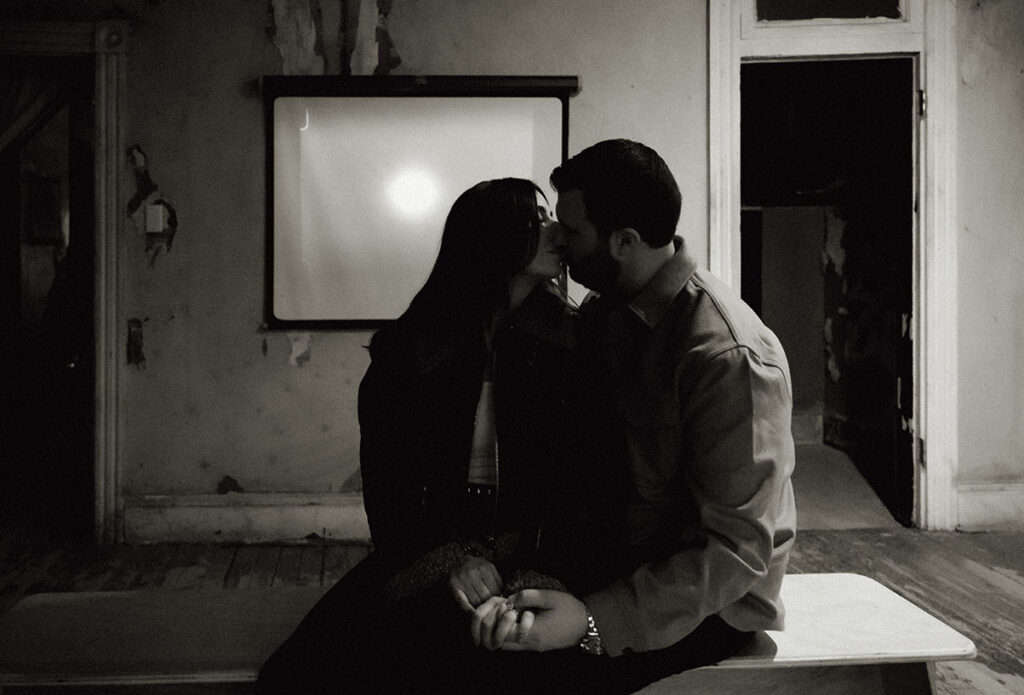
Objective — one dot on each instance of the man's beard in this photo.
(597, 270)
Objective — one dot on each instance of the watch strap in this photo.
(591, 640)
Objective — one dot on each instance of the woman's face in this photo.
(548, 260)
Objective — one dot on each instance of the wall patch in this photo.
(151, 214)
(134, 354)
(228, 484)
(387, 55)
(298, 33)
(301, 348)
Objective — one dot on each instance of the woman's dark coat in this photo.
(417, 405)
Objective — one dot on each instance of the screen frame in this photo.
(401, 86)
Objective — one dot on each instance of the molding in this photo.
(831, 46)
(244, 518)
(938, 330)
(110, 250)
(991, 507)
(723, 143)
(107, 42)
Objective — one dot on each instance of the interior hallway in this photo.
(974, 582)
(831, 494)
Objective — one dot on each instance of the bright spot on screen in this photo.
(413, 192)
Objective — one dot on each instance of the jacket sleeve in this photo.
(737, 457)
(395, 476)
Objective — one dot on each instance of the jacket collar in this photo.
(658, 294)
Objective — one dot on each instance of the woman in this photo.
(466, 416)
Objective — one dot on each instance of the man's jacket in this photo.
(704, 399)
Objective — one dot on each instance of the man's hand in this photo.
(475, 581)
(549, 620)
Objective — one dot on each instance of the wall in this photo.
(793, 306)
(991, 251)
(217, 403)
(231, 431)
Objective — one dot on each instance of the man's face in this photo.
(590, 262)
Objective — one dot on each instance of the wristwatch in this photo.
(591, 640)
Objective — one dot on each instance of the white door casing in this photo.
(106, 43)
(928, 33)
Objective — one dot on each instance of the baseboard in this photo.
(282, 517)
(991, 507)
(244, 518)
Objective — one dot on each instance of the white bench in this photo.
(845, 634)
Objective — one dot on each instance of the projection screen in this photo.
(361, 173)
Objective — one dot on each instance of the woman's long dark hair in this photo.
(491, 233)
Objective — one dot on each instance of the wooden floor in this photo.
(974, 582)
(28, 565)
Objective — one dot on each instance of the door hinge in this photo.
(922, 459)
(922, 103)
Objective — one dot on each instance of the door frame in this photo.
(927, 32)
(106, 43)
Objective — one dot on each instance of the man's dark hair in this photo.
(624, 184)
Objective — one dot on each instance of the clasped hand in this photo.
(528, 620)
(532, 619)
(475, 581)
(535, 620)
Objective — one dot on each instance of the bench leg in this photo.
(866, 679)
(907, 679)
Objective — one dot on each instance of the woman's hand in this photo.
(475, 581)
(496, 622)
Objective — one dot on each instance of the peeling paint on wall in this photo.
(348, 33)
(163, 228)
(228, 484)
(262, 330)
(149, 212)
(301, 348)
(833, 252)
(133, 349)
(144, 185)
(387, 54)
(364, 55)
(318, 28)
(354, 483)
(298, 34)
(363, 40)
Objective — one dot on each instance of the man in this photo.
(703, 395)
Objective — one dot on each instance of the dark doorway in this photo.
(827, 250)
(47, 245)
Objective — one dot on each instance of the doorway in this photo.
(827, 190)
(47, 276)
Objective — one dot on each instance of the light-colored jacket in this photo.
(704, 392)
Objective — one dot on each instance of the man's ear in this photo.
(622, 242)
